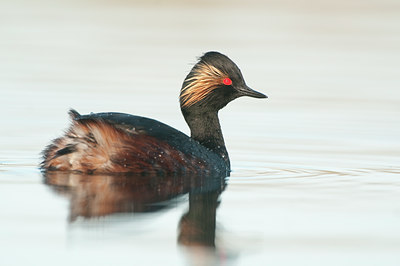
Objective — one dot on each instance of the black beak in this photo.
(246, 91)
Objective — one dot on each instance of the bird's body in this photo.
(123, 143)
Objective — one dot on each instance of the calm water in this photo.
(316, 167)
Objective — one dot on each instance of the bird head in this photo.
(214, 81)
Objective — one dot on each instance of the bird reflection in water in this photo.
(197, 226)
(101, 195)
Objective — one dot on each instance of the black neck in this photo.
(205, 128)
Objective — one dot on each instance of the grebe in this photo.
(123, 143)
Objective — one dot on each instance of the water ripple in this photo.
(283, 173)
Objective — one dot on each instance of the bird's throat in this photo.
(206, 129)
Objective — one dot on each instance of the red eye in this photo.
(227, 81)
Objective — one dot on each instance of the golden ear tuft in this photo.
(205, 79)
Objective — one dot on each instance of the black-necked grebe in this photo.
(123, 143)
